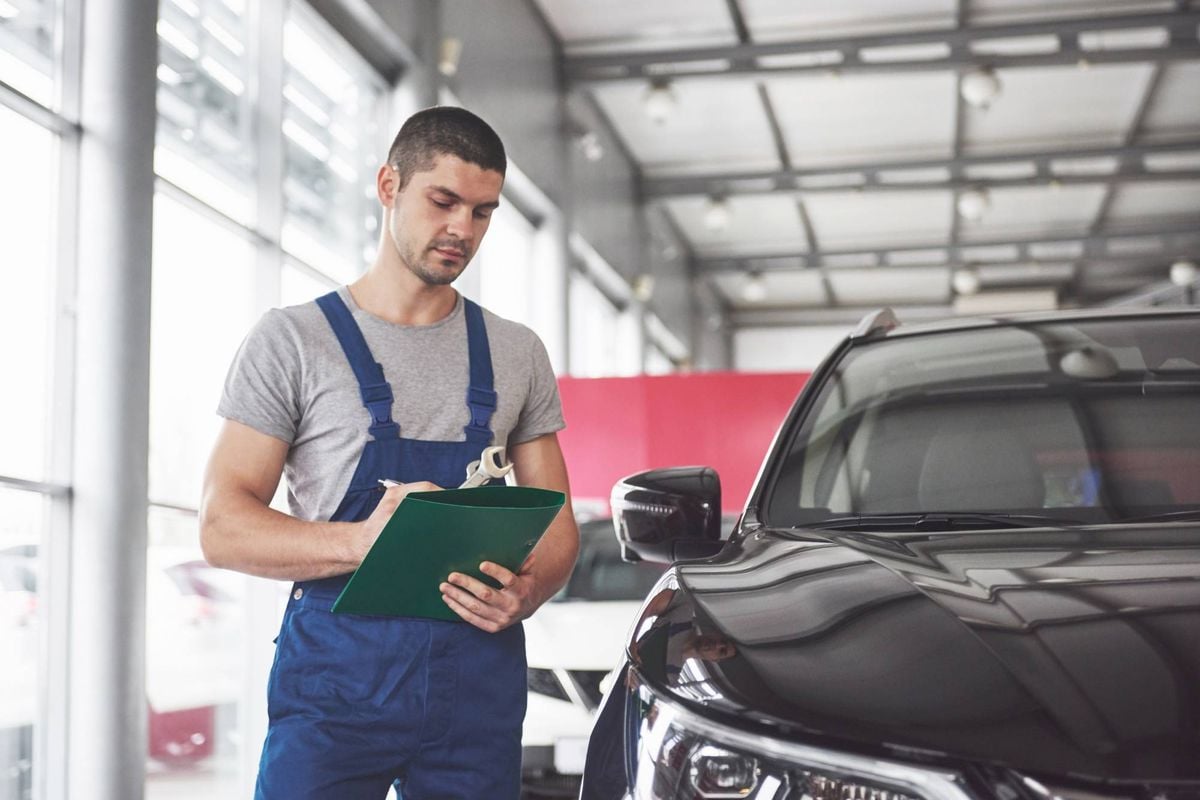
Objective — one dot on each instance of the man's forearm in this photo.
(555, 555)
(239, 532)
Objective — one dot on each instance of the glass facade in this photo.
(27, 202)
(605, 340)
(221, 256)
(206, 116)
(505, 265)
(28, 30)
(331, 150)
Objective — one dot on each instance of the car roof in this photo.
(1027, 318)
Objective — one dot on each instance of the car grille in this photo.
(544, 681)
(584, 688)
(588, 681)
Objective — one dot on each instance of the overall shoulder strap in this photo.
(481, 394)
(372, 386)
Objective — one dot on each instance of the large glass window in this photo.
(605, 341)
(225, 75)
(205, 117)
(27, 50)
(27, 162)
(330, 130)
(299, 284)
(505, 264)
(203, 737)
(203, 305)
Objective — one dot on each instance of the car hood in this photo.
(1053, 652)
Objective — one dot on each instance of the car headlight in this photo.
(681, 754)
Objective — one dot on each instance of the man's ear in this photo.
(387, 185)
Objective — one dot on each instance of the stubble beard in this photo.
(441, 272)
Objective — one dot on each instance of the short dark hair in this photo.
(445, 130)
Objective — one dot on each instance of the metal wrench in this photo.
(490, 465)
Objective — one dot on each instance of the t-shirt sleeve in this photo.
(542, 413)
(262, 389)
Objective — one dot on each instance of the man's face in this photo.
(437, 221)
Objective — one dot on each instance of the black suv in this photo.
(969, 568)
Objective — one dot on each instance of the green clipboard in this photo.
(431, 534)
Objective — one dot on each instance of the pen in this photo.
(389, 483)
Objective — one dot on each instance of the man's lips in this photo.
(449, 252)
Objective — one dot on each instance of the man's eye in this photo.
(442, 203)
(483, 213)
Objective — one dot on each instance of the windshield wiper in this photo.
(1165, 516)
(942, 521)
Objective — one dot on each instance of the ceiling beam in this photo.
(1124, 173)
(841, 315)
(1131, 135)
(871, 174)
(1167, 240)
(960, 127)
(959, 48)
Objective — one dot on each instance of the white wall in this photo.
(798, 349)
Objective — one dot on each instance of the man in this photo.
(395, 377)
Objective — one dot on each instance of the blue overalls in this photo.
(357, 702)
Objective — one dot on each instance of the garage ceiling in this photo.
(823, 151)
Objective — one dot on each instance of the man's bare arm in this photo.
(535, 463)
(240, 531)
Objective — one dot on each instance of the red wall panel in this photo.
(726, 420)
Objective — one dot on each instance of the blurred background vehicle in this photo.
(573, 642)
(194, 624)
(18, 665)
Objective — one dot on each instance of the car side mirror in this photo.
(665, 515)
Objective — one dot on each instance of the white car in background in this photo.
(572, 644)
(194, 631)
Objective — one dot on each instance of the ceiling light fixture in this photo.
(980, 87)
(972, 204)
(754, 290)
(643, 287)
(717, 215)
(449, 54)
(1183, 272)
(589, 145)
(659, 101)
(965, 280)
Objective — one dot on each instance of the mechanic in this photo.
(395, 377)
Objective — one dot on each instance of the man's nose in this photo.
(459, 224)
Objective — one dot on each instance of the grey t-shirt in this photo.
(291, 380)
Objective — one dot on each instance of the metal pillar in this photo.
(106, 738)
(419, 87)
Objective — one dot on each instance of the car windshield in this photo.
(1047, 423)
(600, 574)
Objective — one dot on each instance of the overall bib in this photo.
(359, 702)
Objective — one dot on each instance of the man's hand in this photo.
(538, 462)
(491, 609)
(372, 526)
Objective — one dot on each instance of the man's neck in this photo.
(400, 297)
